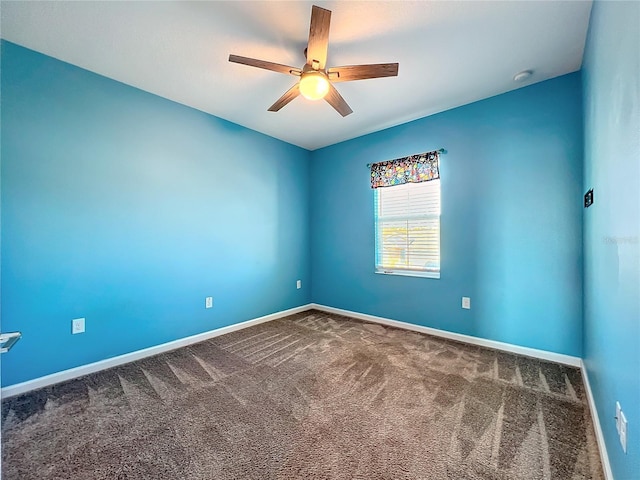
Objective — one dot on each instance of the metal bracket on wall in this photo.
(8, 340)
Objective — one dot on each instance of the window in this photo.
(407, 223)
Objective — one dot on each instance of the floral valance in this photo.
(412, 169)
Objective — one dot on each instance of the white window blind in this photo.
(407, 223)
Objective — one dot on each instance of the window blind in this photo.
(407, 224)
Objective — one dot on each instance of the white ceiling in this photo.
(450, 54)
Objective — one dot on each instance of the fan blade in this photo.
(334, 99)
(318, 37)
(275, 67)
(289, 95)
(349, 73)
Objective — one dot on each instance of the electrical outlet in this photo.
(466, 303)
(621, 426)
(77, 326)
(299, 284)
(208, 302)
(623, 431)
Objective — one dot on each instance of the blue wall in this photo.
(611, 77)
(511, 220)
(128, 209)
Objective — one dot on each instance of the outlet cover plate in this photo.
(208, 302)
(299, 284)
(77, 325)
(466, 303)
(623, 431)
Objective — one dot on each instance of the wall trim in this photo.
(47, 380)
(20, 388)
(602, 446)
(507, 347)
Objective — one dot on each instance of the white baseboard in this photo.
(58, 377)
(72, 373)
(506, 347)
(602, 446)
(19, 388)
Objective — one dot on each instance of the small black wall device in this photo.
(588, 198)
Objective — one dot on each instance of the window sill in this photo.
(405, 273)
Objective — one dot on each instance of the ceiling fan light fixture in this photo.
(315, 79)
(314, 85)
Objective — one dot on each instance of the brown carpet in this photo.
(310, 396)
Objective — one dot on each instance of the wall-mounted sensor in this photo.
(522, 76)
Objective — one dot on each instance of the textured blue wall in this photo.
(511, 220)
(611, 77)
(128, 209)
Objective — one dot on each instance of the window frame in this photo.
(405, 272)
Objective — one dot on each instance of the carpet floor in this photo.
(310, 396)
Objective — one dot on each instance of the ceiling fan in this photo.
(316, 81)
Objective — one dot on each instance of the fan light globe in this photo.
(314, 85)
